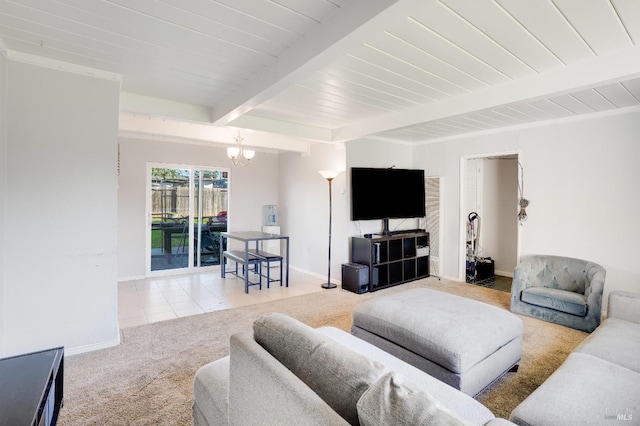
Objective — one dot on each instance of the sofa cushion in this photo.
(624, 305)
(460, 403)
(615, 340)
(563, 273)
(392, 400)
(262, 389)
(560, 300)
(337, 374)
(584, 391)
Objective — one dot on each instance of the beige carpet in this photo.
(147, 379)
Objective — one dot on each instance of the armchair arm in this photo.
(524, 275)
(596, 275)
(624, 305)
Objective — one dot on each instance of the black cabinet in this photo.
(31, 388)
(392, 260)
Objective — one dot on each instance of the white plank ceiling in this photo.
(411, 71)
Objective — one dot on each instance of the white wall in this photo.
(289, 180)
(251, 187)
(568, 151)
(60, 219)
(499, 227)
(582, 180)
(304, 209)
(3, 190)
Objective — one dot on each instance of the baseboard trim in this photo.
(76, 350)
(313, 274)
(131, 278)
(505, 274)
(447, 277)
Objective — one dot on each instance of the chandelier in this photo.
(238, 155)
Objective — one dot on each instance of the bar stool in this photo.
(238, 257)
(269, 258)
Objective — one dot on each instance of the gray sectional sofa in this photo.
(599, 382)
(286, 373)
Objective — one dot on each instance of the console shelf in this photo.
(392, 260)
(31, 388)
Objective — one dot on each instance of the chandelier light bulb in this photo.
(233, 153)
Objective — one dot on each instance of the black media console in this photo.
(31, 388)
(392, 259)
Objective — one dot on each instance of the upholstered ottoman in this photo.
(462, 342)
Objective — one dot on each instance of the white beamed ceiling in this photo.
(290, 73)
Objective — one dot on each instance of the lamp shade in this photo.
(248, 153)
(329, 174)
(233, 152)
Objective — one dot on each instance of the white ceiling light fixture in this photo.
(238, 155)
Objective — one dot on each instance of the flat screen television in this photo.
(387, 193)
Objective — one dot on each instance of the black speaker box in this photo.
(355, 277)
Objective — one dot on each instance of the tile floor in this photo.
(502, 283)
(163, 298)
(497, 283)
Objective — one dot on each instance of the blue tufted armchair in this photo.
(558, 289)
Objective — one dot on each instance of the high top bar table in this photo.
(248, 237)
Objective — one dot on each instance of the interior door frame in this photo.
(462, 242)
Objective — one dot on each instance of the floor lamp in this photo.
(329, 175)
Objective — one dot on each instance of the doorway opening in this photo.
(489, 222)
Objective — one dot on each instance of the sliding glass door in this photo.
(170, 217)
(211, 200)
(187, 210)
